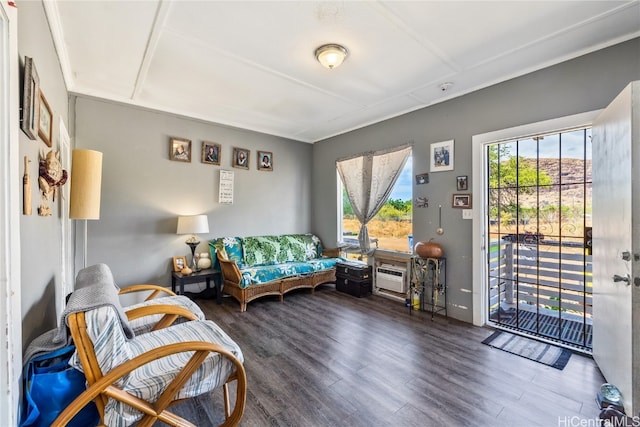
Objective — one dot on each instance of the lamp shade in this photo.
(86, 184)
(194, 224)
(331, 55)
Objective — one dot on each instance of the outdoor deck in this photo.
(543, 289)
(571, 331)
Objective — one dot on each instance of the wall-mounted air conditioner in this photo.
(391, 278)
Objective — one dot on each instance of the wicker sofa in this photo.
(257, 266)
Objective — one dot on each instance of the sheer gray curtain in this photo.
(368, 179)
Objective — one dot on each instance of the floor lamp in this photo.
(86, 183)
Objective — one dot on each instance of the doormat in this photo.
(537, 351)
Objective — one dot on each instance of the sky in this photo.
(402, 189)
(549, 147)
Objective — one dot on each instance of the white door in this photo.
(616, 244)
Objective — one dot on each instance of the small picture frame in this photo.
(462, 201)
(265, 161)
(45, 121)
(30, 99)
(422, 202)
(441, 156)
(240, 158)
(462, 183)
(179, 262)
(211, 153)
(422, 178)
(180, 149)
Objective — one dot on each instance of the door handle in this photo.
(618, 278)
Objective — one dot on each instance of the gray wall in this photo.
(584, 84)
(143, 192)
(40, 237)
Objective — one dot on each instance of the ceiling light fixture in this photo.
(331, 55)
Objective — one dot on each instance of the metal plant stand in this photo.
(429, 282)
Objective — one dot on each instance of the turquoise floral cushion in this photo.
(231, 246)
(267, 273)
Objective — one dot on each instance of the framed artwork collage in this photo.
(441, 159)
(37, 115)
(181, 149)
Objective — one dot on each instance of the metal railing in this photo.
(550, 278)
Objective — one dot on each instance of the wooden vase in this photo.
(428, 249)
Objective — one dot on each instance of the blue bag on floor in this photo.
(50, 385)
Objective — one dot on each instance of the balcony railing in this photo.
(541, 286)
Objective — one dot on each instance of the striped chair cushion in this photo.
(143, 325)
(112, 349)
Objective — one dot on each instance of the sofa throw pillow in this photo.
(269, 250)
(229, 248)
(313, 246)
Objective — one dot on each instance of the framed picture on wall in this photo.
(45, 121)
(211, 153)
(265, 161)
(462, 201)
(180, 149)
(422, 178)
(179, 262)
(462, 183)
(240, 158)
(30, 99)
(441, 156)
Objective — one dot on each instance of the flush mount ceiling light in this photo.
(331, 55)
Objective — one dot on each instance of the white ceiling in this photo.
(251, 64)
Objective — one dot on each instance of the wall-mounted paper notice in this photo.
(225, 195)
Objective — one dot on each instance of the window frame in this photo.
(340, 206)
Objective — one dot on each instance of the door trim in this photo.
(480, 215)
(10, 183)
(66, 247)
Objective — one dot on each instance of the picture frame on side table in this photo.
(45, 121)
(30, 99)
(211, 153)
(265, 160)
(180, 149)
(462, 201)
(240, 158)
(179, 262)
(441, 156)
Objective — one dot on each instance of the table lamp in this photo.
(194, 224)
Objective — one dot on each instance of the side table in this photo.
(197, 277)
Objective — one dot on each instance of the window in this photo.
(392, 227)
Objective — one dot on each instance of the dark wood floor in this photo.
(330, 359)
